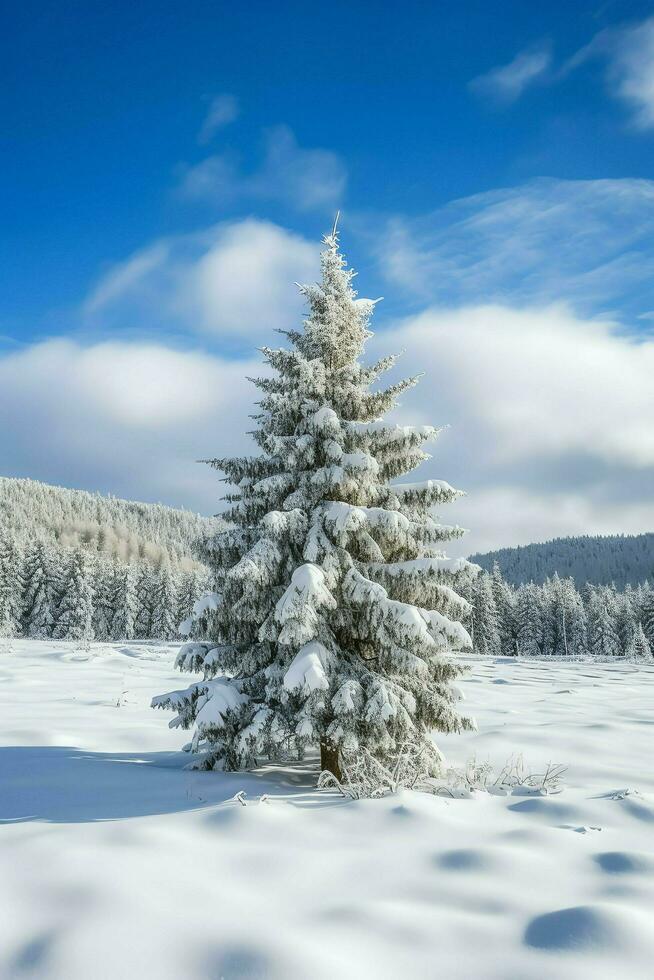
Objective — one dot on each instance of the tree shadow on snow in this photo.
(62, 784)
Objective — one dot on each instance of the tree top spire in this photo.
(331, 240)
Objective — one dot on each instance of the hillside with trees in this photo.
(617, 559)
(31, 511)
(80, 566)
(556, 619)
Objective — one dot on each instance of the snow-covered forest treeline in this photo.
(557, 619)
(616, 559)
(31, 511)
(79, 565)
(73, 594)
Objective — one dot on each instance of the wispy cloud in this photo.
(126, 276)
(233, 280)
(306, 179)
(631, 70)
(506, 83)
(223, 110)
(628, 52)
(589, 243)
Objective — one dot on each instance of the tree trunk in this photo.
(329, 758)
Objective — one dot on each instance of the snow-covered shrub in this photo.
(514, 774)
(365, 777)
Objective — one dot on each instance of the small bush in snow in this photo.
(365, 777)
(514, 774)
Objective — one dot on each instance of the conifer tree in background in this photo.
(11, 588)
(146, 584)
(603, 637)
(639, 647)
(39, 579)
(506, 612)
(626, 620)
(337, 608)
(124, 603)
(74, 617)
(485, 618)
(103, 608)
(164, 621)
(564, 625)
(529, 620)
(189, 591)
(647, 615)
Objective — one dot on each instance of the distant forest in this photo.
(617, 559)
(128, 530)
(78, 565)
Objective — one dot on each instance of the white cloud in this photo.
(130, 419)
(538, 383)
(223, 110)
(306, 179)
(550, 419)
(506, 83)
(235, 280)
(245, 283)
(127, 275)
(550, 408)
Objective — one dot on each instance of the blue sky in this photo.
(168, 168)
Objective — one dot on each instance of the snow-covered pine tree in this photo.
(603, 638)
(188, 592)
(529, 620)
(639, 647)
(505, 603)
(626, 619)
(102, 572)
(485, 618)
(11, 588)
(336, 609)
(38, 600)
(565, 627)
(74, 616)
(647, 614)
(146, 584)
(164, 619)
(123, 596)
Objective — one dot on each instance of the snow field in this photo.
(117, 862)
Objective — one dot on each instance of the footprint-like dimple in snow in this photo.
(223, 815)
(465, 859)
(544, 806)
(402, 811)
(243, 962)
(639, 809)
(581, 927)
(623, 862)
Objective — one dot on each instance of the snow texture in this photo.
(112, 853)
